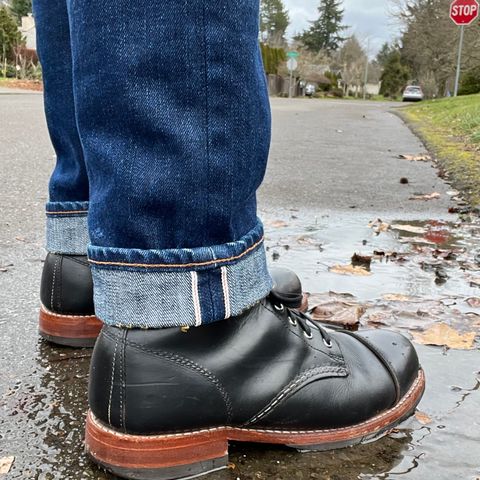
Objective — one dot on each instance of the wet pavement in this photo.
(333, 173)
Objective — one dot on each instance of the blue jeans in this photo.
(159, 115)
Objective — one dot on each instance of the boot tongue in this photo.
(287, 288)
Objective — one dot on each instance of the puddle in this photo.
(43, 394)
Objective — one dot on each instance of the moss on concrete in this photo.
(451, 129)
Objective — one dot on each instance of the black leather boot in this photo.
(165, 403)
(67, 315)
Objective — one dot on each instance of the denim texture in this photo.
(68, 189)
(146, 298)
(172, 111)
(69, 181)
(67, 228)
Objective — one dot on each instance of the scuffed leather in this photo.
(66, 286)
(256, 370)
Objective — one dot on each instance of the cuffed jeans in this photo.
(159, 115)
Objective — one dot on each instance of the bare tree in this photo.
(429, 43)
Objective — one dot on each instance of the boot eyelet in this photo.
(328, 343)
(308, 336)
(293, 323)
(279, 308)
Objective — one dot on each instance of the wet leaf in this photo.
(396, 297)
(379, 226)
(443, 335)
(453, 193)
(474, 302)
(304, 305)
(350, 270)
(306, 240)
(338, 309)
(426, 197)
(474, 281)
(416, 158)
(409, 228)
(423, 418)
(416, 240)
(361, 261)
(278, 224)
(6, 464)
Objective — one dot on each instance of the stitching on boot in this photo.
(111, 384)
(316, 370)
(52, 306)
(187, 433)
(60, 284)
(177, 359)
(123, 384)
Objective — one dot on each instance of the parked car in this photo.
(413, 93)
(310, 90)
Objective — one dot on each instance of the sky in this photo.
(368, 19)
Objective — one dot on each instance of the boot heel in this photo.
(69, 330)
(158, 457)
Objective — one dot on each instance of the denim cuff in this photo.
(67, 229)
(179, 287)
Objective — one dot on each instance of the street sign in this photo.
(464, 12)
(293, 54)
(292, 64)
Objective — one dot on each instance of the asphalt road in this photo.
(332, 163)
(339, 155)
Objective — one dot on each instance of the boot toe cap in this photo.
(398, 352)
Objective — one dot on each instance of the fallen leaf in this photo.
(409, 228)
(474, 302)
(304, 306)
(361, 261)
(441, 334)
(453, 193)
(350, 270)
(306, 240)
(379, 226)
(346, 316)
(423, 418)
(396, 297)
(278, 224)
(426, 197)
(416, 240)
(416, 158)
(6, 464)
(337, 308)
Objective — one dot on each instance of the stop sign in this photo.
(464, 12)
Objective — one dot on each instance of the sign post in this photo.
(292, 65)
(462, 12)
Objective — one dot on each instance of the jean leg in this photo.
(174, 118)
(67, 208)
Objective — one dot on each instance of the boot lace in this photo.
(305, 323)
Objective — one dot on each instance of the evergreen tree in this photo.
(274, 22)
(384, 54)
(9, 34)
(325, 33)
(395, 75)
(21, 8)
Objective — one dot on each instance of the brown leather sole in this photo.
(69, 330)
(192, 454)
